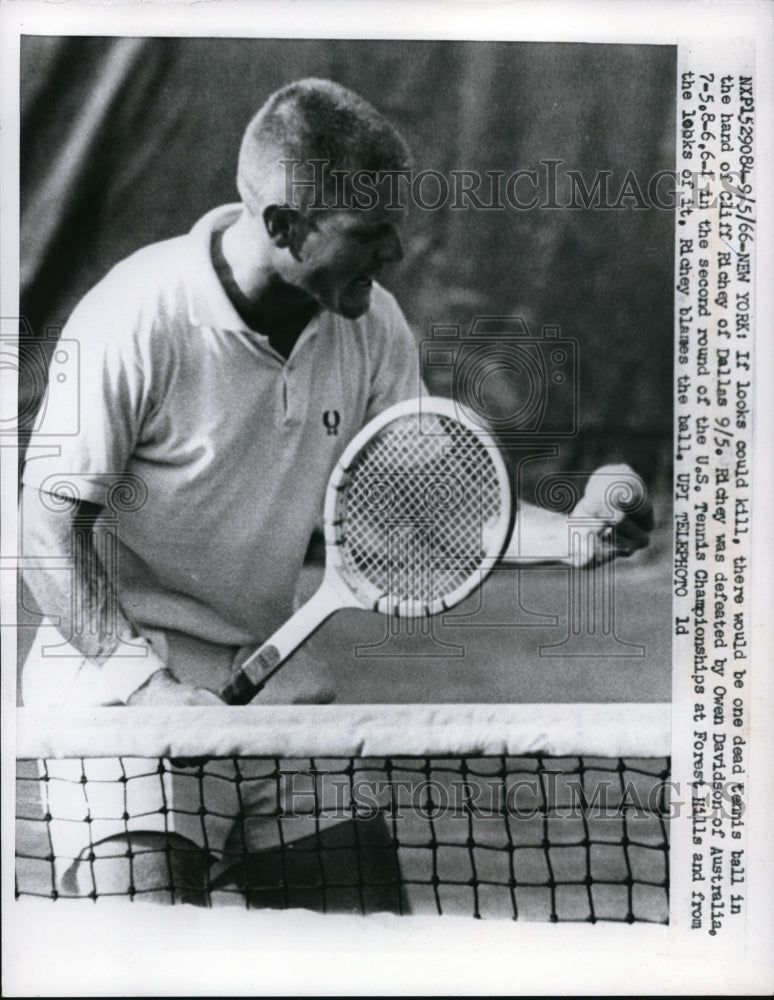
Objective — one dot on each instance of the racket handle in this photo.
(267, 659)
(252, 675)
(240, 689)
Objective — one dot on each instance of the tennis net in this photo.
(532, 812)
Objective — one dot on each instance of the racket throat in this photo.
(261, 665)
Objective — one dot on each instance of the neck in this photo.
(242, 259)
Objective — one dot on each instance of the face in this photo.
(340, 256)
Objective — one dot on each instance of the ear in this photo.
(286, 227)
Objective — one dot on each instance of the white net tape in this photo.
(609, 730)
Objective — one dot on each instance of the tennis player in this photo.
(222, 374)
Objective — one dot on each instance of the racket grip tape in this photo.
(240, 689)
(244, 686)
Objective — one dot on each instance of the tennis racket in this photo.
(417, 511)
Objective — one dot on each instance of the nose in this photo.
(390, 249)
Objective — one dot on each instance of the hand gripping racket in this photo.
(417, 511)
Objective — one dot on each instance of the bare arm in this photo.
(607, 530)
(82, 596)
(59, 529)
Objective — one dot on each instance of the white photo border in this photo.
(146, 952)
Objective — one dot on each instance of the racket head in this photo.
(418, 509)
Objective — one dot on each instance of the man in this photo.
(211, 364)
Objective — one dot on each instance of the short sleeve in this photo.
(396, 374)
(91, 430)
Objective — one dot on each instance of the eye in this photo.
(366, 236)
(373, 232)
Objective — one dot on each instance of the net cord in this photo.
(561, 729)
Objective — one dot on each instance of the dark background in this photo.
(128, 141)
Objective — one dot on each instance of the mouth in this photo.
(363, 281)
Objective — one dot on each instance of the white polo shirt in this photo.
(228, 446)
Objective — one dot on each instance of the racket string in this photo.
(417, 501)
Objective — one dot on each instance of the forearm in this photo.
(538, 535)
(67, 576)
(82, 596)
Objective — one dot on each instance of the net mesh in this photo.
(414, 508)
(531, 836)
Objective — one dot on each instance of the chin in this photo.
(352, 307)
(353, 312)
(349, 302)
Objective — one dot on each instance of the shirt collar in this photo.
(208, 304)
